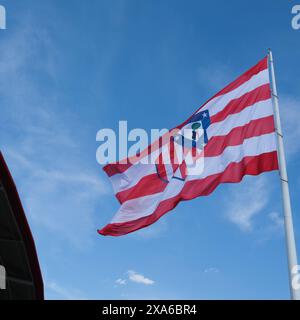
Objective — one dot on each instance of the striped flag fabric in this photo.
(238, 139)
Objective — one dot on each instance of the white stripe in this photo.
(144, 206)
(250, 147)
(129, 178)
(137, 208)
(256, 111)
(218, 103)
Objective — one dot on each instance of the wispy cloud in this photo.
(40, 140)
(121, 282)
(211, 270)
(273, 227)
(277, 221)
(139, 278)
(133, 276)
(244, 204)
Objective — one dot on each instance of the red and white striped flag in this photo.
(239, 139)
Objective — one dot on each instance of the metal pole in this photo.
(288, 220)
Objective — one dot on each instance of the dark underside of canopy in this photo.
(17, 249)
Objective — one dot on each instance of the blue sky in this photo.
(69, 68)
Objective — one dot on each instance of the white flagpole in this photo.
(288, 220)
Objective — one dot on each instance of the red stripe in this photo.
(148, 185)
(232, 174)
(115, 168)
(183, 170)
(161, 168)
(152, 184)
(217, 144)
(248, 99)
(260, 66)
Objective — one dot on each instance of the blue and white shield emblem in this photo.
(190, 140)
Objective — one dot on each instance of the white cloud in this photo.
(277, 221)
(121, 282)
(274, 227)
(139, 278)
(134, 277)
(243, 204)
(212, 270)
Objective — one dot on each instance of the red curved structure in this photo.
(17, 249)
